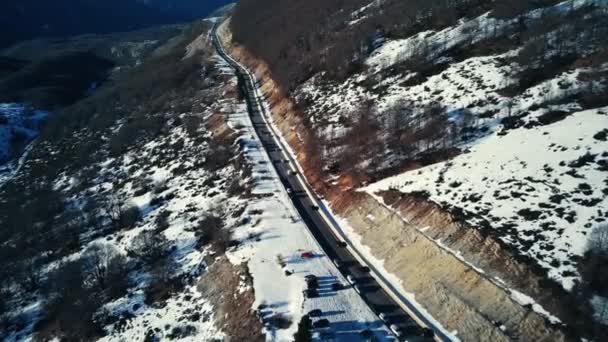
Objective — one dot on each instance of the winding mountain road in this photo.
(382, 297)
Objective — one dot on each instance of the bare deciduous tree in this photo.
(113, 209)
(598, 239)
(104, 266)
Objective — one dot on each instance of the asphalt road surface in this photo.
(313, 214)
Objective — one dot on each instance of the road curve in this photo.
(381, 296)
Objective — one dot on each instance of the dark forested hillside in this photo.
(299, 39)
(290, 35)
(27, 19)
(188, 8)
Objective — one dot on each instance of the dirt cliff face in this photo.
(455, 293)
(459, 297)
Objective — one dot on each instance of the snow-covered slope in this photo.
(484, 119)
(530, 168)
(227, 241)
(541, 189)
(17, 124)
(18, 127)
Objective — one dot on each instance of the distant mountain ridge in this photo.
(28, 19)
(189, 9)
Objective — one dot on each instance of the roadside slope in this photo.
(474, 311)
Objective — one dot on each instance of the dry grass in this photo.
(232, 308)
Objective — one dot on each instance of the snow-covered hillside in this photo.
(481, 121)
(532, 166)
(18, 125)
(186, 233)
(540, 189)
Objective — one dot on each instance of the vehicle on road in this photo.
(310, 276)
(426, 332)
(322, 323)
(351, 279)
(382, 316)
(395, 329)
(307, 255)
(366, 333)
(315, 313)
(364, 269)
(313, 285)
(311, 281)
(270, 143)
(327, 336)
(311, 293)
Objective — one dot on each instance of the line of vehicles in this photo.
(402, 330)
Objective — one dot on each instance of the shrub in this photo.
(211, 229)
(192, 124)
(162, 220)
(71, 303)
(130, 216)
(217, 158)
(150, 246)
(122, 140)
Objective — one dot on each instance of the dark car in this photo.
(312, 283)
(315, 313)
(322, 323)
(426, 332)
(311, 293)
(342, 244)
(364, 269)
(366, 333)
(337, 286)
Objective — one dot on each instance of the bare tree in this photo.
(510, 103)
(600, 305)
(598, 239)
(104, 266)
(113, 209)
(71, 302)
